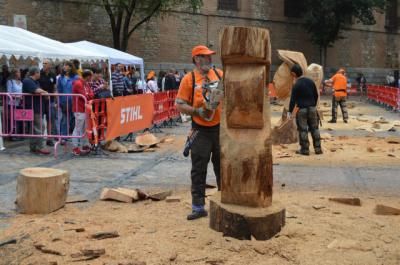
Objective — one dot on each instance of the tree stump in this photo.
(245, 139)
(243, 222)
(41, 190)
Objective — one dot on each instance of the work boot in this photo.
(332, 121)
(318, 151)
(197, 214)
(303, 152)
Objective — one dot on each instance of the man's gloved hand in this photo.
(211, 105)
(199, 112)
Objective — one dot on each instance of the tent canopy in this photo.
(114, 56)
(22, 43)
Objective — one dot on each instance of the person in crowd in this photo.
(170, 80)
(31, 85)
(82, 87)
(98, 84)
(161, 80)
(362, 84)
(14, 85)
(64, 86)
(77, 65)
(118, 84)
(152, 86)
(178, 78)
(47, 82)
(304, 95)
(339, 84)
(5, 74)
(129, 85)
(133, 79)
(140, 84)
(389, 79)
(190, 101)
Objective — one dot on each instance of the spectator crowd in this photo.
(66, 115)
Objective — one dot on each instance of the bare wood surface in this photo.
(120, 194)
(348, 201)
(386, 210)
(159, 196)
(41, 190)
(292, 57)
(246, 222)
(283, 81)
(246, 44)
(104, 235)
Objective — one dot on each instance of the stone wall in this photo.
(166, 41)
(3, 15)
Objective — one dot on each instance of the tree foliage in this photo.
(325, 19)
(126, 16)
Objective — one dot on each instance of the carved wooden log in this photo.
(41, 190)
(246, 157)
(292, 57)
(243, 208)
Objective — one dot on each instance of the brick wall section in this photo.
(166, 42)
(3, 16)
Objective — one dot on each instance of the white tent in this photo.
(114, 56)
(19, 43)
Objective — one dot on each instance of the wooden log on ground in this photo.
(243, 222)
(348, 201)
(119, 194)
(286, 131)
(386, 210)
(245, 134)
(41, 190)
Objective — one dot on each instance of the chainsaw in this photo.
(213, 93)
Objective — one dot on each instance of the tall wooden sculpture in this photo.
(244, 207)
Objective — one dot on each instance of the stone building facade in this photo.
(167, 40)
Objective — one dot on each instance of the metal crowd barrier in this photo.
(384, 95)
(17, 119)
(161, 108)
(18, 113)
(96, 117)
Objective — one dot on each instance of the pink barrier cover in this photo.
(23, 114)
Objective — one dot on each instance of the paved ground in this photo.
(168, 168)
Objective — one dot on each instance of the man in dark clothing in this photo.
(31, 85)
(47, 82)
(305, 96)
(170, 80)
(5, 74)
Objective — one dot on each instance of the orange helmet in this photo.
(201, 50)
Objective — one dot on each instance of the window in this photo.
(293, 8)
(391, 22)
(230, 5)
